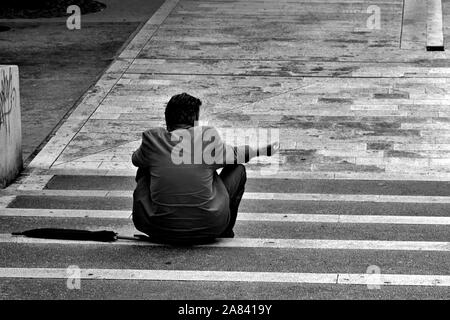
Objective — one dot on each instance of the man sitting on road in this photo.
(179, 197)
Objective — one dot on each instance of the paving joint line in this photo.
(291, 76)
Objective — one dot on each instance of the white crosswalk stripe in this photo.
(255, 174)
(243, 216)
(320, 244)
(256, 196)
(231, 276)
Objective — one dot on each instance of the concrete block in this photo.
(435, 31)
(10, 125)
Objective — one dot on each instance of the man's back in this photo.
(184, 188)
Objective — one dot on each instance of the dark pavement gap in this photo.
(247, 205)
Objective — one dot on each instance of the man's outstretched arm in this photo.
(228, 154)
(243, 154)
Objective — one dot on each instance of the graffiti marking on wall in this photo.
(7, 99)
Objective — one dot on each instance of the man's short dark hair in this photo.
(182, 109)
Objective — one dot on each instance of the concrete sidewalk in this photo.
(347, 100)
(362, 177)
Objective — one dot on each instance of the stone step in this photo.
(326, 186)
(185, 290)
(255, 229)
(231, 276)
(366, 198)
(312, 244)
(243, 216)
(247, 205)
(216, 259)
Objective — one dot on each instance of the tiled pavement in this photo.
(362, 175)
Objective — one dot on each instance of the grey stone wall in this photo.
(10, 125)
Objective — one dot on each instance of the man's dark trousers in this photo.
(233, 177)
